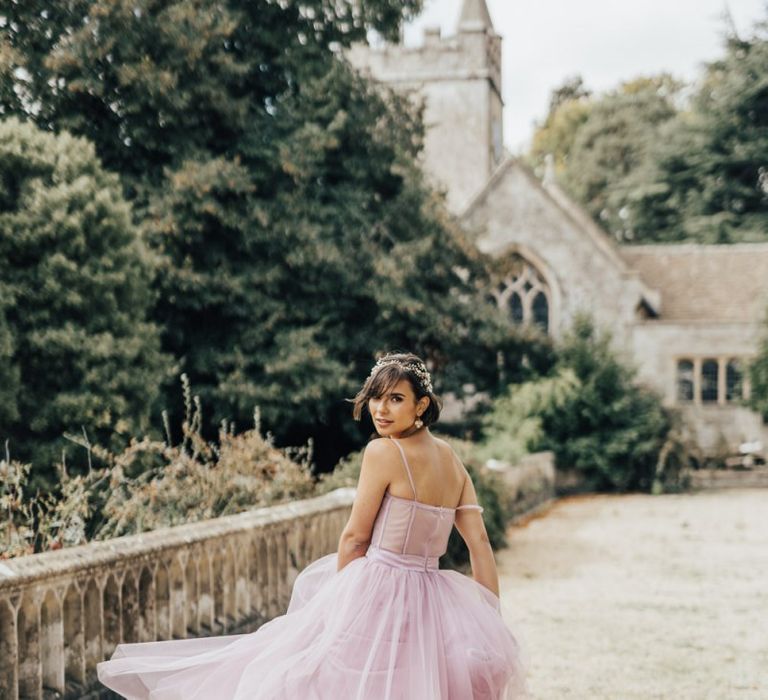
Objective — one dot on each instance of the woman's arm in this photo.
(471, 527)
(379, 461)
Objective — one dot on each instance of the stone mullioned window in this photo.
(717, 380)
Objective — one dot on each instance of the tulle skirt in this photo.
(382, 628)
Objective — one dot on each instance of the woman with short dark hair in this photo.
(378, 620)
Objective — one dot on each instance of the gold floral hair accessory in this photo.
(417, 368)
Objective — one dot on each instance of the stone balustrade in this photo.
(62, 612)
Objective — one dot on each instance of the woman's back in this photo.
(378, 619)
(438, 478)
(407, 525)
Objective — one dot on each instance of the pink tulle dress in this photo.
(389, 626)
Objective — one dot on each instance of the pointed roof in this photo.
(602, 242)
(474, 15)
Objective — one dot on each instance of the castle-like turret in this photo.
(459, 80)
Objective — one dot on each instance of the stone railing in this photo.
(62, 612)
(530, 483)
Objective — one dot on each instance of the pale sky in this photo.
(606, 41)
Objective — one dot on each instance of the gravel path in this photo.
(643, 596)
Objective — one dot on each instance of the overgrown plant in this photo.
(594, 416)
(151, 484)
(41, 521)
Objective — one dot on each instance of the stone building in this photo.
(688, 316)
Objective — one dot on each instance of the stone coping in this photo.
(22, 571)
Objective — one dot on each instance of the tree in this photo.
(649, 170)
(77, 276)
(589, 411)
(612, 146)
(296, 236)
(152, 84)
(601, 144)
(9, 371)
(758, 377)
(709, 179)
(569, 107)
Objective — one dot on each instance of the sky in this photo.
(605, 41)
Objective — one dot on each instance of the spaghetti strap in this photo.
(407, 468)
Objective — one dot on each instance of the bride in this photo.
(377, 620)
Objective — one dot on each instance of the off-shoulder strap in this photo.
(470, 506)
(407, 468)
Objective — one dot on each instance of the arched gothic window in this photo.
(524, 294)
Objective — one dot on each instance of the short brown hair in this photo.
(384, 378)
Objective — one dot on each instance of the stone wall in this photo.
(530, 483)
(517, 215)
(457, 80)
(658, 345)
(62, 612)
(704, 479)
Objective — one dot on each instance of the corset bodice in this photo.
(417, 532)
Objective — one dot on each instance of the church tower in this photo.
(459, 80)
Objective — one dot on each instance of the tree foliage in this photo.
(709, 181)
(590, 412)
(758, 377)
(294, 232)
(650, 166)
(602, 145)
(569, 107)
(74, 340)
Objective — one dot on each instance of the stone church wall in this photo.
(658, 345)
(516, 215)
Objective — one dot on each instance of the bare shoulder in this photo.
(446, 446)
(441, 442)
(381, 453)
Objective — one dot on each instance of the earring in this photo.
(418, 423)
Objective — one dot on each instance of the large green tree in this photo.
(295, 232)
(76, 279)
(652, 167)
(602, 144)
(709, 182)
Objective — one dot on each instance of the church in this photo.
(688, 316)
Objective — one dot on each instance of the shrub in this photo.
(758, 375)
(148, 485)
(75, 346)
(590, 412)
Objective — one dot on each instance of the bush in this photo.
(591, 413)
(149, 485)
(75, 346)
(758, 375)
